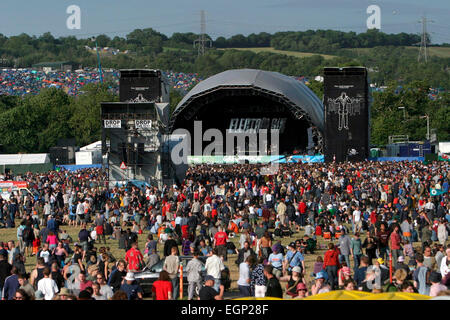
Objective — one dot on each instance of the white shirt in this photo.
(244, 274)
(444, 268)
(80, 208)
(356, 215)
(106, 291)
(48, 287)
(45, 255)
(214, 265)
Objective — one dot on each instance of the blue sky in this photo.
(224, 17)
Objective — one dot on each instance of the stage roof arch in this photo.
(301, 100)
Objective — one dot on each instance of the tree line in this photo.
(35, 123)
(24, 50)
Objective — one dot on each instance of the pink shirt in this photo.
(436, 288)
(52, 239)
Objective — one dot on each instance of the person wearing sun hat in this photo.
(344, 274)
(292, 280)
(302, 290)
(64, 293)
(131, 288)
(320, 286)
(38, 295)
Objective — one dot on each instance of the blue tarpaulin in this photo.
(397, 159)
(74, 167)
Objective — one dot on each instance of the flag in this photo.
(443, 157)
(436, 192)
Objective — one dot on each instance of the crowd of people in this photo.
(25, 81)
(355, 220)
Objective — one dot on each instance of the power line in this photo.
(201, 41)
(423, 51)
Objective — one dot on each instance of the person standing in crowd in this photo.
(395, 245)
(208, 292)
(134, 258)
(193, 271)
(293, 259)
(220, 243)
(5, 269)
(370, 245)
(117, 275)
(47, 285)
(214, 266)
(172, 265)
(421, 276)
(273, 287)
(293, 280)
(244, 276)
(24, 285)
(345, 247)
(11, 285)
(445, 264)
(276, 260)
(356, 251)
(162, 288)
(331, 265)
(258, 280)
(131, 287)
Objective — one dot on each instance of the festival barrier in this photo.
(397, 296)
(75, 167)
(253, 159)
(254, 298)
(340, 295)
(362, 295)
(397, 159)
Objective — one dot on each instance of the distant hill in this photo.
(288, 53)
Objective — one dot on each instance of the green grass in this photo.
(166, 49)
(288, 53)
(442, 52)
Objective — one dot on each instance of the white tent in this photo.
(93, 146)
(90, 154)
(31, 158)
(444, 147)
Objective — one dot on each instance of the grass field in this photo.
(166, 49)
(288, 53)
(442, 52)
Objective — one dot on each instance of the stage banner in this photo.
(346, 112)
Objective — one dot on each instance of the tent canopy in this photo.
(32, 158)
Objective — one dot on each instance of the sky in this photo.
(223, 17)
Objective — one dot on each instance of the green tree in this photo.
(85, 122)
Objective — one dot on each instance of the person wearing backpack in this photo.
(331, 264)
(28, 237)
